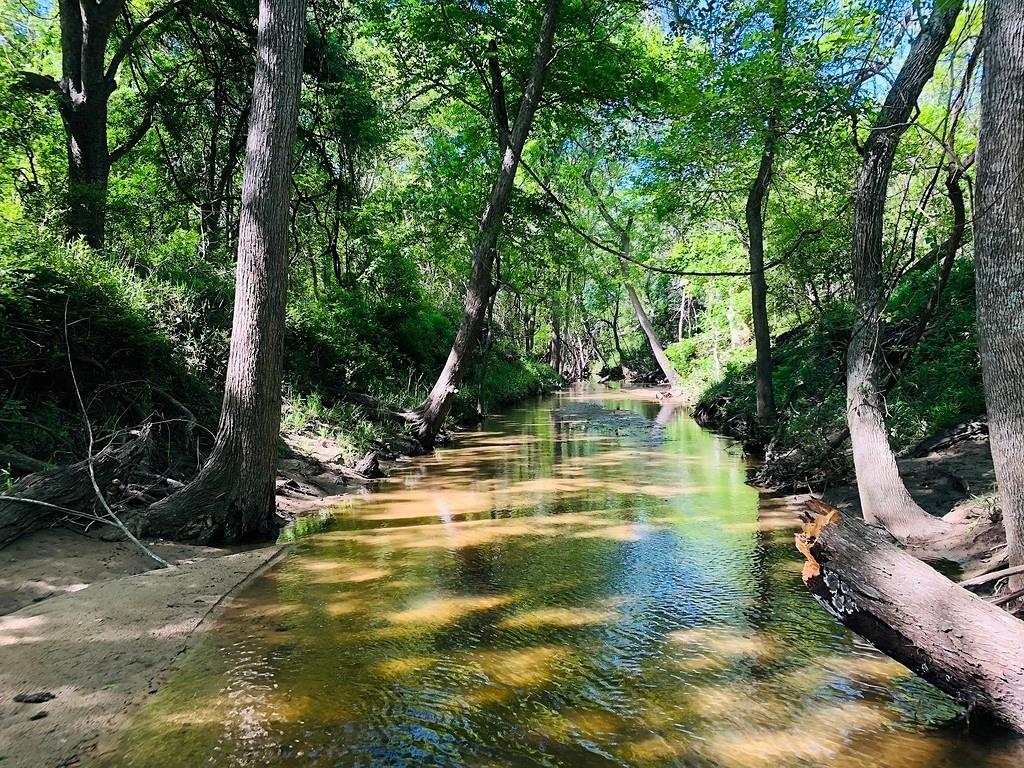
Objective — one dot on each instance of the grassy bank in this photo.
(146, 338)
(939, 387)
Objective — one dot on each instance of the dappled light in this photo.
(561, 601)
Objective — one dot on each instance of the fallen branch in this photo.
(1008, 598)
(985, 578)
(16, 460)
(969, 648)
(112, 518)
(33, 502)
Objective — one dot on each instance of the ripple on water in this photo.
(584, 582)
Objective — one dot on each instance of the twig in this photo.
(112, 518)
(987, 577)
(57, 507)
(1004, 599)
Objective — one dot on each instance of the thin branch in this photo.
(618, 253)
(134, 138)
(135, 32)
(977, 581)
(111, 517)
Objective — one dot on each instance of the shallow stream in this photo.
(586, 581)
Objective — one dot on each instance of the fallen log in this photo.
(68, 487)
(971, 649)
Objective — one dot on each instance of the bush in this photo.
(55, 297)
(509, 379)
(940, 387)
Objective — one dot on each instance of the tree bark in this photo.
(84, 89)
(555, 345)
(884, 497)
(232, 498)
(641, 315)
(594, 343)
(999, 259)
(616, 339)
(968, 648)
(756, 199)
(69, 487)
(429, 416)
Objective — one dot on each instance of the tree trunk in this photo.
(429, 416)
(85, 93)
(641, 315)
(87, 80)
(883, 496)
(232, 497)
(999, 259)
(616, 339)
(85, 124)
(530, 329)
(970, 649)
(555, 346)
(594, 344)
(684, 304)
(210, 224)
(756, 199)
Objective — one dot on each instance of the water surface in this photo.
(587, 581)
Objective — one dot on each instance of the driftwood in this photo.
(971, 649)
(986, 578)
(955, 434)
(67, 487)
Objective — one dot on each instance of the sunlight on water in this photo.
(586, 581)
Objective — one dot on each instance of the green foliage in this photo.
(652, 128)
(940, 387)
(509, 378)
(55, 298)
(347, 425)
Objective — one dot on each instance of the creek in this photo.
(587, 580)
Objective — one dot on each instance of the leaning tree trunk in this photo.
(970, 649)
(40, 498)
(756, 198)
(429, 416)
(884, 497)
(999, 259)
(641, 315)
(232, 497)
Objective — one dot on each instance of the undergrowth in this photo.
(940, 386)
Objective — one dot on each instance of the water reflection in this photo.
(586, 581)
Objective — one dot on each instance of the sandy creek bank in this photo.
(92, 623)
